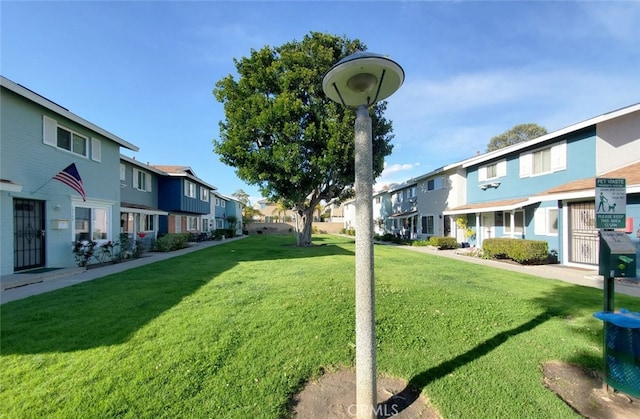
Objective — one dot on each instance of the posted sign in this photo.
(611, 203)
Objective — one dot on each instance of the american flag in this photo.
(70, 177)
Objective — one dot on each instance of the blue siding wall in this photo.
(171, 197)
(581, 163)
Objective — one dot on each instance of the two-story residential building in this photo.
(59, 181)
(234, 211)
(186, 199)
(139, 212)
(404, 214)
(528, 190)
(438, 191)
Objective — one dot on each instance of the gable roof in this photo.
(54, 107)
(182, 171)
(145, 166)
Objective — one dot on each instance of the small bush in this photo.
(420, 243)
(443, 242)
(521, 251)
(171, 242)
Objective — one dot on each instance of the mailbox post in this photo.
(617, 259)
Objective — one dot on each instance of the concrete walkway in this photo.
(23, 285)
(18, 286)
(578, 276)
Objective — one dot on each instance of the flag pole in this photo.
(34, 192)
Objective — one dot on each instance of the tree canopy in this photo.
(517, 134)
(284, 135)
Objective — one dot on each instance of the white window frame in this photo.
(219, 223)
(140, 176)
(412, 192)
(91, 226)
(508, 229)
(192, 223)
(424, 221)
(204, 194)
(543, 219)
(50, 129)
(147, 222)
(499, 168)
(557, 160)
(435, 183)
(189, 189)
(123, 172)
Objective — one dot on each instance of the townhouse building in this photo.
(59, 181)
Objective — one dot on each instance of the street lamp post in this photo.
(360, 80)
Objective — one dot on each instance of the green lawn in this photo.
(235, 330)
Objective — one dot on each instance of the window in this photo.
(192, 223)
(204, 194)
(492, 171)
(435, 183)
(519, 223)
(66, 139)
(189, 189)
(412, 192)
(71, 141)
(91, 224)
(220, 223)
(377, 200)
(546, 221)
(123, 171)
(544, 160)
(146, 222)
(222, 203)
(427, 224)
(141, 180)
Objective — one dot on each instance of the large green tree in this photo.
(284, 135)
(517, 134)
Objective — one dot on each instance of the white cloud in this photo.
(396, 173)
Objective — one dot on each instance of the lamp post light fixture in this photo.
(360, 80)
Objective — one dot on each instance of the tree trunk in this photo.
(304, 222)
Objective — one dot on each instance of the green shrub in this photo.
(170, 242)
(443, 242)
(521, 251)
(419, 243)
(387, 237)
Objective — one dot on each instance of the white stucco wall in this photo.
(618, 142)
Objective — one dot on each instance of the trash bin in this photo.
(622, 350)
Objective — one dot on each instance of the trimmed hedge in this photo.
(519, 250)
(171, 242)
(443, 242)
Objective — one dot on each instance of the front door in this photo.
(583, 236)
(488, 226)
(29, 231)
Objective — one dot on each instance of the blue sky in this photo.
(145, 70)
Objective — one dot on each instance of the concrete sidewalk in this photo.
(578, 276)
(23, 285)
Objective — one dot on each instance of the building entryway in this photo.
(583, 235)
(488, 226)
(29, 234)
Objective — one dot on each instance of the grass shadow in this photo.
(407, 396)
(109, 310)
